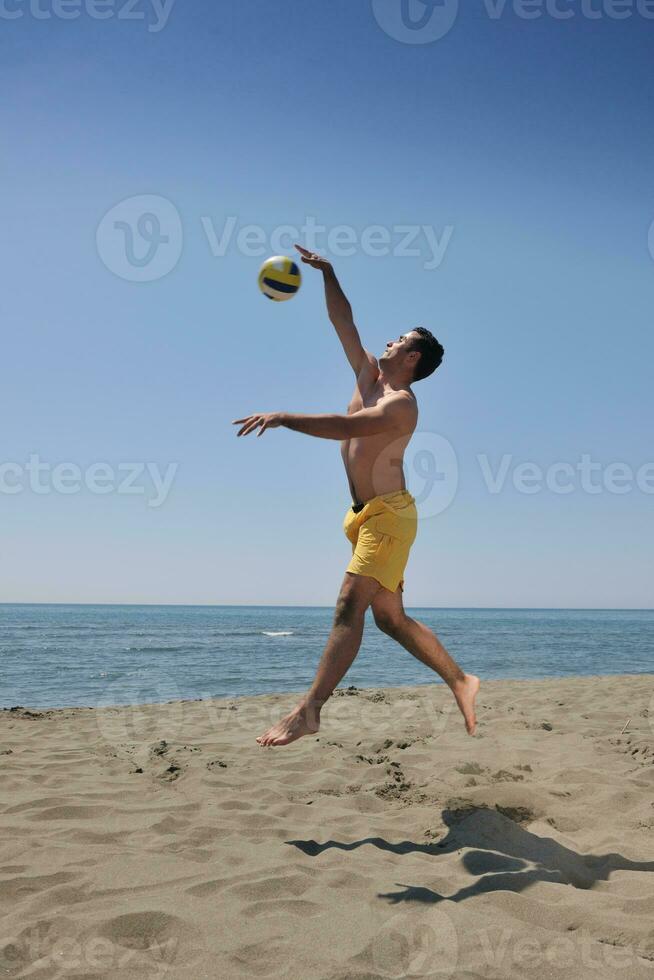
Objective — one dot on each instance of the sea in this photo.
(102, 655)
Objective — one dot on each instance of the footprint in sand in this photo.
(143, 930)
(271, 888)
(504, 776)
(471, 769)
(170, 825)
(301, 907)
(72, 813)
(206, 888)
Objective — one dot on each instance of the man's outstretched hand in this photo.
(266, 420)
(313, 259)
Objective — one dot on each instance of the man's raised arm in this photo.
(338, 310)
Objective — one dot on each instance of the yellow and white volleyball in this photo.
(279, 278)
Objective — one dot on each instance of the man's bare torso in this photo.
(374, 463)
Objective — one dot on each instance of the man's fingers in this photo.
(251, 421)
(251, 425)
(309, 257)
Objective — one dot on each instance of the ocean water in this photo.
(99, 655)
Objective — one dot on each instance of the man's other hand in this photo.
(313, 259)
(261, 420)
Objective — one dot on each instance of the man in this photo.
(382, 522)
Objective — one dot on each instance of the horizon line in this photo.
(256, 605)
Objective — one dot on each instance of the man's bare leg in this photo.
(357, 592)
(423, 644)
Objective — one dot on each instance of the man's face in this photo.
(396, 350)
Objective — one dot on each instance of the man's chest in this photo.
(365, 396)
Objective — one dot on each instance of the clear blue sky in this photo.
(531, 139)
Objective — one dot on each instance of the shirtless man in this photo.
(382, 522)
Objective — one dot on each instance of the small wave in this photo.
(21, 626)
(153, 649)
(244, 632)
(277, 632)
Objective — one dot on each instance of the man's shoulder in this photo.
(369, 366)
(403, 404)
(407, 397)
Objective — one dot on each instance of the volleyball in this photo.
(279, 278)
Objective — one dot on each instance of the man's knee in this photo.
(392, 623)
(354, 598)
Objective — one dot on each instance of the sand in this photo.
(162, 841)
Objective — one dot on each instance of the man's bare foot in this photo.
(303, 720)
(465, 692)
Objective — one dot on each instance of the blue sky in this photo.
(526, 143)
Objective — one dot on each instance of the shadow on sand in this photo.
(503, 856)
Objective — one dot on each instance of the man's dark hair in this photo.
(431, 353)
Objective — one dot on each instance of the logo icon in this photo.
(140, 708)
(416, 21)
(140, 239)
(422, 943)
(430, 467)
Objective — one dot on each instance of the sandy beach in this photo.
(162, 841)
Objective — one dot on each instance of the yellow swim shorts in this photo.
(381, 535)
